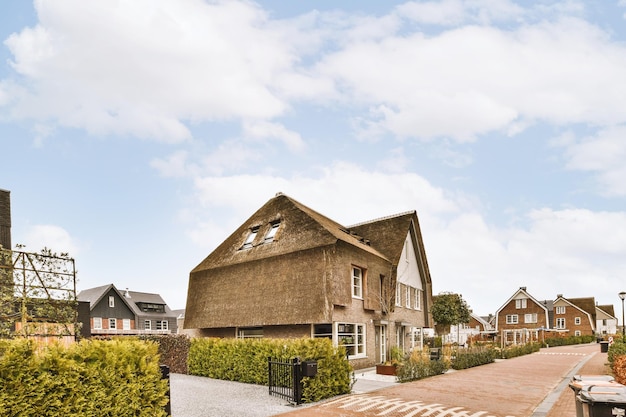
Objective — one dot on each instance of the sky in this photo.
(138, 135)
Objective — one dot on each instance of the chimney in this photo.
(559, 296)
(5, 219)
(127, 294)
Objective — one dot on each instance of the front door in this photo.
(381, 342)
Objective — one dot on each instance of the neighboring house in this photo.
(288, 271)
(522, 318)
(606, 322)
(477, 329)
(575, 316)
(113, 312)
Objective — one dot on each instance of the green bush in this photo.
(570, 340)
(468, 358)
(90, 378)
(246, 361)
(519, 350)
(419, 366)
(618, 348)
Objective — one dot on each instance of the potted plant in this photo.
(389, 366)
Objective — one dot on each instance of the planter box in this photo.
(386, 369)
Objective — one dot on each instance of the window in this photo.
(250, 333)
(357, 282)
(577, 333)
(520, 303)
(250, 239)
(269, 237)
(560, 323)
(407, 296)
(418, 299)
(323, 331)
(112, 323)
(352, 337)
(126, 324)
(147, 325)
(530, 318)
(111, 301)
(151, 307)
(560, 310)
(398, 294)
(577, 321)
(162, 325)
(511, 319)
(97, 322)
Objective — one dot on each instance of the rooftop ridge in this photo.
(382, 218)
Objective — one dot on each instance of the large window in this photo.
(126, 324)
(352, 336)
(162, 325)
(357, 282)
(560, 323)
(520, 303)
(511, 319)
(97, 322)
(530, 318)
(418, 299)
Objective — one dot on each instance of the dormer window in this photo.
(269, 237)
(250, 238)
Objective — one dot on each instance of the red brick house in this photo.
(522, 318)
(575, 316)
(289, 271)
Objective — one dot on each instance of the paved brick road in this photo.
(534, 385)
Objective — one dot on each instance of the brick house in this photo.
(289, 272)
(113, 312)
(575, 316)
(523, 318)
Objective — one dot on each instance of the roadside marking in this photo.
(383, 406)
(562, 353)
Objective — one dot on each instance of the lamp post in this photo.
(622, 295)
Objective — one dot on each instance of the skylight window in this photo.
(269, 237)
(250, 238)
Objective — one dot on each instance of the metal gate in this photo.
(285, 379)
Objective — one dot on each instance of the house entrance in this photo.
(381, 342)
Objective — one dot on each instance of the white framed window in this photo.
(250, 239)
(147, 325)
(352, 337)
(512, 319)
(560, 323)
(530, 318)
(407, 296)
(269, 236)
(398, 294)
(357, 282)
(418, 299)
(577, 333)
(126, 324)
(560, 310)
(250, 333)
(111, 301)
(520, 303)
(162, 325)
(97, 323)
(577, 321)
(112, 323)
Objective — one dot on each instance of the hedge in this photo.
(173, 350)
(569, 340)
(245, 360)
(89, 378)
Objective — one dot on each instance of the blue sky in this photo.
(138, 135)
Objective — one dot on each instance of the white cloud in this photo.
(266, 130)
(52, 237)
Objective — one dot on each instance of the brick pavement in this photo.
(529, 386)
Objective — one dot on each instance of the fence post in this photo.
(297, 380)
(165, 374)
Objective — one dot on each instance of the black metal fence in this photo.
(285, 379)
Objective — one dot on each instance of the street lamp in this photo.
(622, 295)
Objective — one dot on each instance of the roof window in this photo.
(269, 237)
(248, 243)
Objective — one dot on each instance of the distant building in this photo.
(114, 312)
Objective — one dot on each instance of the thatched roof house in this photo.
(289, 271)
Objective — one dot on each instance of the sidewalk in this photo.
(533, 385)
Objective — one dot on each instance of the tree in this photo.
(448, 309)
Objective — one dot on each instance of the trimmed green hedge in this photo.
(246, 361)
(570, 340)
(89, 378)
(417, 366)
(520, 350)
(468, 358)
